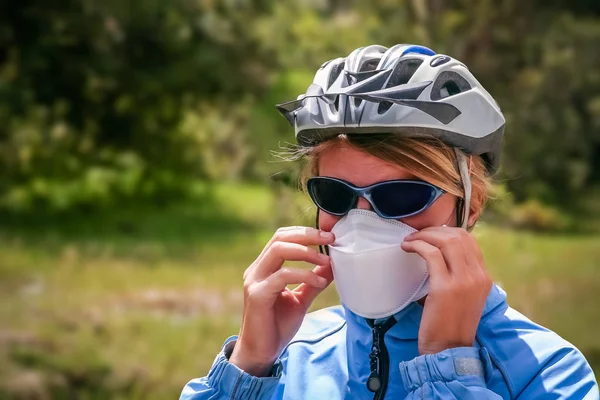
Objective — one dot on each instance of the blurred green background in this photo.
(137, 182)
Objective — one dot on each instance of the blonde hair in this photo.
(427, 158)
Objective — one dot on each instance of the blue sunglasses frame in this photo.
(365, 193)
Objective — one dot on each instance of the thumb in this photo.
(306, 294)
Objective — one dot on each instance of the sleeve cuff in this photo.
(227, 378)
(467, 365)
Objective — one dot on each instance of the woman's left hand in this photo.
(458, 287)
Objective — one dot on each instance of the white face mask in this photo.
(374, 277)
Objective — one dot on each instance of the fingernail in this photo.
(324, 257)
(326, 235)
(322, 281)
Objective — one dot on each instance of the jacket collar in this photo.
(409, 319)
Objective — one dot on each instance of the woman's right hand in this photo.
(273, 313)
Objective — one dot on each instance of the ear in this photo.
(473, 217)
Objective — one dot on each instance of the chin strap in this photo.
(464, 205)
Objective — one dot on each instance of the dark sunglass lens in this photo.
(331, 196)
(401, 198)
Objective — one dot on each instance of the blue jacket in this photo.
(513, 358)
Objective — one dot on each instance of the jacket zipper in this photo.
(379, 359)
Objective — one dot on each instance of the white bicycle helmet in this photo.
(406, 89)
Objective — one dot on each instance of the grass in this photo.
(134, 303)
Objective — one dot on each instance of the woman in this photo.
(400, 145)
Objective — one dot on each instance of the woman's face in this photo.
(362, 169)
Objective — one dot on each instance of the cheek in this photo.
(327, 221)
(438, 214)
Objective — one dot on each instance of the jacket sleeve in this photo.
(225, 381)
(456, 373)
(566, 375)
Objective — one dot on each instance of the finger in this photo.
(436, 265)
(472, 264)
(437, 235)
(477, 251)
(306, 294)
(278, 282)
(304, 235)
(324, 271)
(282, 251)
(454, 243)
(293, 234)
(476, 264)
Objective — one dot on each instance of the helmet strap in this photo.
(322, 249)
(464, 168)
(459, 210)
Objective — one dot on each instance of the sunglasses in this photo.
(389, 199)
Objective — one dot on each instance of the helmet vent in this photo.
(403, 71)
(367, 66)
(335, 72)
(383, 107)
(448, 83)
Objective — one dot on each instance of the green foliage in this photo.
(533, 215)
(500, 205)
(108, 101)
(95, 95)
(536, 216)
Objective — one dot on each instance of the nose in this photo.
(363, 204)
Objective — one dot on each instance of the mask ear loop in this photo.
(322, 249)
(464, 169)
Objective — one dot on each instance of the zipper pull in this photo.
(374, 381)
